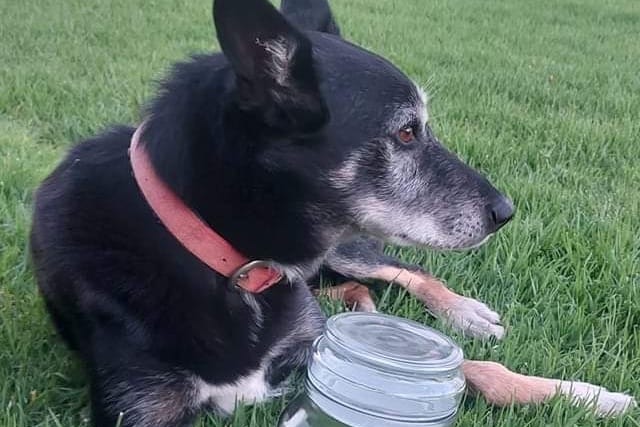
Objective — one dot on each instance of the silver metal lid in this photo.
(387, 368)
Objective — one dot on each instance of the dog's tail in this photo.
(312, 15)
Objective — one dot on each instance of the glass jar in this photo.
(371, 369)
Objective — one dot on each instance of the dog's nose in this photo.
(501, 210)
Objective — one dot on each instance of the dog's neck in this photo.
(259, 218)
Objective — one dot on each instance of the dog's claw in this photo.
(474, 318)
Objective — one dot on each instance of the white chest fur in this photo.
(252, 388)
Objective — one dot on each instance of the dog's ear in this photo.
(273, 62)
(310, 15)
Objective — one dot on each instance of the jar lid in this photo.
(387, 368)
(392, 342)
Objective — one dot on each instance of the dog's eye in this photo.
(406, 134)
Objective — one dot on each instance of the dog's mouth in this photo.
(403, 239)
(480, 243)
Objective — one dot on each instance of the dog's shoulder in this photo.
(84, 162)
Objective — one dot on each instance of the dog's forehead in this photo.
(359, 83)
(343, 64)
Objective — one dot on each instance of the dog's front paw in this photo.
(466, 314)
(604, 402)
(473, 318)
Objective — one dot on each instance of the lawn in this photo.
(544, 97)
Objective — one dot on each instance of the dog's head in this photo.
(351, 127)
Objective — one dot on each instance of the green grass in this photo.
(542, 96)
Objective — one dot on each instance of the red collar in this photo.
(196, 236)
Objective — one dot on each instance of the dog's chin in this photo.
(404, 240)
(478, 244)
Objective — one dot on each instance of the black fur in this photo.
(310, 15)
(253, 154)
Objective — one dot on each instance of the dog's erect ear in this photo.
(310, 15)
(273, 63)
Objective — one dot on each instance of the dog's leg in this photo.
(501, 387)
(466, 314)
(362, 259)
(133, 399)
(130, 389)
(355, 295)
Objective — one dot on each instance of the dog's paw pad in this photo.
(604, 402)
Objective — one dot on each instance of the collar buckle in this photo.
(264, 276)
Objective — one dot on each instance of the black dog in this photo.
(293, 144)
